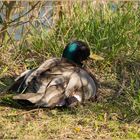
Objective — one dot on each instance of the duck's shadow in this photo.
(5, 83)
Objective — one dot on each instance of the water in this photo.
(44, 18)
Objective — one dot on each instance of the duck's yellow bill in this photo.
(96, 57)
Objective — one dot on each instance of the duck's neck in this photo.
(72, 61)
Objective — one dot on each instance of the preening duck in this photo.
(58, 81)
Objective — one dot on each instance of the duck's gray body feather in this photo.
(53, 83)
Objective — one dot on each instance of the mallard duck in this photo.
(58, 81)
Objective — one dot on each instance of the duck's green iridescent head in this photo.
(76, 51)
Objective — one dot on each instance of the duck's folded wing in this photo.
(54, 96)
(81, 85)
(19, 84)
(48, 64)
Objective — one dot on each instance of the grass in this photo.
(114, 35)
(86, 122)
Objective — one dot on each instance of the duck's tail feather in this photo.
(19, 84)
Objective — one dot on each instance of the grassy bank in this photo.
(112, 34)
